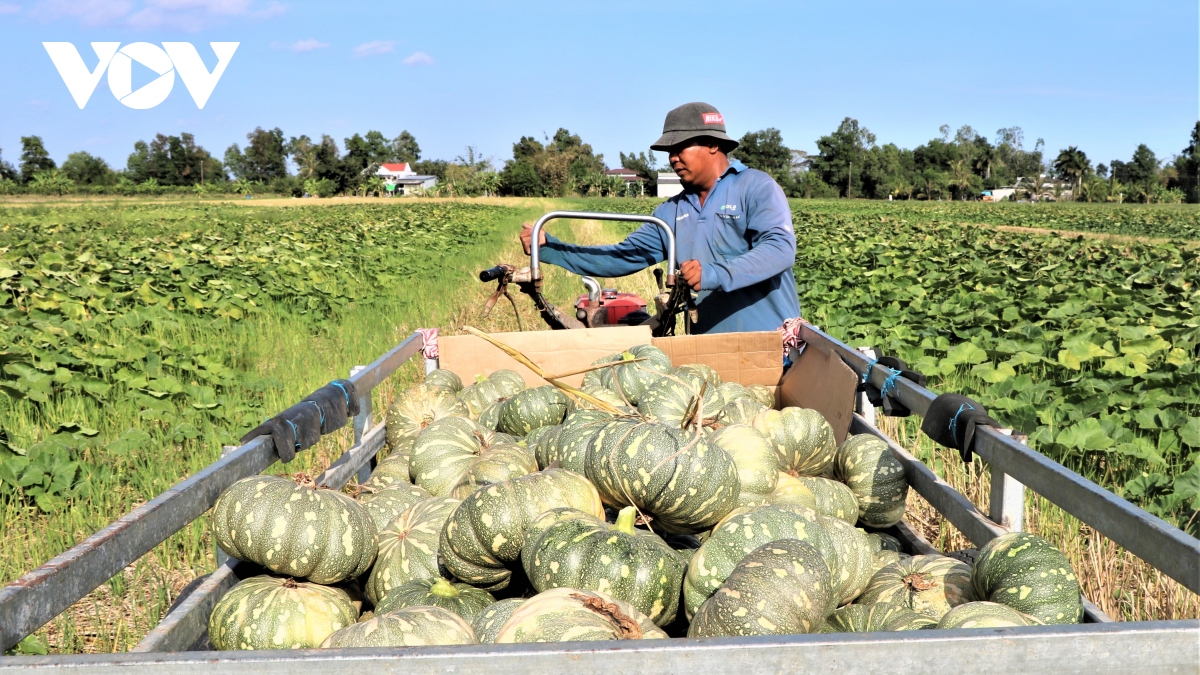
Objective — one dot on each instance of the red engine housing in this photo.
(617, 304)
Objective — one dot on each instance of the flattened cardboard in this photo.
(555, 351)
(822, 382)
(745, 358)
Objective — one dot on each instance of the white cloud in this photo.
(374, 48)
(7, 8)
(307, 45)
(189, 15)
(418, 59)
(90, 12)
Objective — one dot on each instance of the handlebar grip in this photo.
(492, 274)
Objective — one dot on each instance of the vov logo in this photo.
(172, 57)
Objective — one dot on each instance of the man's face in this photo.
(695, 161)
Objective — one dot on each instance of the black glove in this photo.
(883, 399)
(302, 425)
(951, 421)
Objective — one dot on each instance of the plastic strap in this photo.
(867, 373)
(954, 420)
(344, 393)
(890, 383)
(295, 433)
(320, 410)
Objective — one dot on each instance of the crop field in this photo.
(138, 339)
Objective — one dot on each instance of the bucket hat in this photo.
(693, 120)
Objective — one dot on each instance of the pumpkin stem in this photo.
(919, 581)
(444, 589)
(480, 377)
(626, 519)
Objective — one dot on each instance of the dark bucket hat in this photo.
(693, 120)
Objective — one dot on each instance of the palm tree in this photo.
(52, 182)
(960, 177)
(1073, 163)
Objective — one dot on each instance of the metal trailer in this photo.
(1098, 645)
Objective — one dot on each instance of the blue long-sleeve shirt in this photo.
(742, 236)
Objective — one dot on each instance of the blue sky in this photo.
(1101, 75)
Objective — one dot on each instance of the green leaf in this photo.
(1147, 484)
(32, 645)
(994, 374)
(1190, 434)
(1085, 435)
(1187, 484)
(129, 440)
(967, 353)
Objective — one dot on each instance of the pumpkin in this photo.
(763, 394)
(1029, 574)
(684, 482)
(417, 409)
(740, 533)
(854, 566)
(927, 584)
(295, 530)
(882, 541)
(490, 389)
(631, 380)
(832, 498)
(386, 504)
(779, 588)
(879, 617)
(567, 548)
(490, 417)
(755, 458)
(462, 599)
(740, 411)
(983, 614)
(675, 400)
(881, 559)
(408, 627)
(446, 450)
(443, 379)
(732, 391)
(532, 409)
(571, 615)
(489, 622)
(875, 477)
(802, 437)
(483, 537)
(569, 445)
(393, 468)
(267, 612)
(705, 373)
(408, 547)
(791, 491)
(604, 394)
(493, 465)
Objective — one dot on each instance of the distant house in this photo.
(629, 176)
(403, 177)
(668, 184)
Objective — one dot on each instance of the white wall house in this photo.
(403, 178)
(668, 184)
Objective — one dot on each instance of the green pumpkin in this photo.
(573, 615)
(983, 614)
(881, 559)
(394, 468)
(267, 612)
(446, 450)
(675, 400)
(791, 491)
(489, 622)
(569, 445)
(631, 380)
(927, 584)
(763, 394)
(496, 464)
(490, 417)
(487, 390)
(881, 617)
(566, 548)
(704, 372)
(408, 547)
(462, 599)
(779, 588)
(742, 532)
(1031, 575)
(386, 504)
(444, 379)
(832, 498)
(605, 394)
(732, 391)
(295, 530)
(802, 437)
(533, 409)
(881, 541)
(408, 627)
(418, 408)
(854, 567)
(875, 477)
(680, 479)
(740, 411)
(755, 458)
(482, 539)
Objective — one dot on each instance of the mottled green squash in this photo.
(482, 539)
(832, 498)
(880, 617)
(782, 587)
(802, 437)
(444, 379)
(489, 418)
(875, 477)
(532, 409)
(882, 541)
(791, 491)
(763, 394)
(295, 530)
(755, 458)
(742, 532)
(854, 566)
(927, 584)
(630, 380)
(732, 391)
(408, 627)
(569, 446)
(704, 372)
(462, 599)
(489, 622)
(573, 615)
(675, 400)
(394, 468)
(881, 559)
(567, 548)
(496, 464)
(604, 394)
(446, 450)
(983, 614)
(417, 408)
(680, 479)
(1031, 575)
(267, 612)
(408, 547)
(740, 411)
(487, 390)
(387, 503)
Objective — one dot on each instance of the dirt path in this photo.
(1116, 238)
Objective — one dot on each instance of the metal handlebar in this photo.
(593, 289)
(535, 259)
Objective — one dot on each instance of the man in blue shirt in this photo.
(733, 232)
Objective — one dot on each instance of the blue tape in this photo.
(890, 383)
(867, 373)
(344, 392)
(320, 410)
(954, 420)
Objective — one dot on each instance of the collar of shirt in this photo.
(693, 198)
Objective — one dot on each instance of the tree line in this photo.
(848, 163)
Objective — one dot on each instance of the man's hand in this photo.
(527, 237)
(691, 273)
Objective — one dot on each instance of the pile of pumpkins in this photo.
(654, 502)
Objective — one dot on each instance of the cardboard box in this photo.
(816, 380)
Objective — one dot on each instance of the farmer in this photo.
(733, 232)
